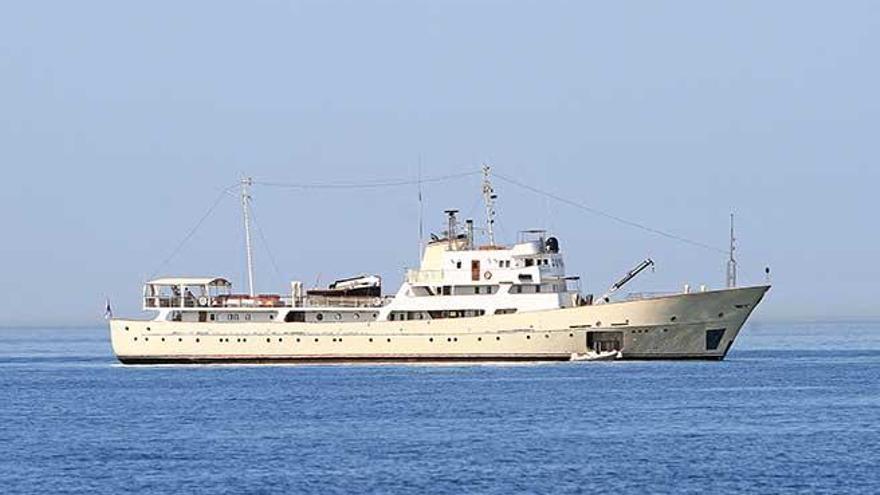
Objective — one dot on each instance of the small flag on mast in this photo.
(108, 311)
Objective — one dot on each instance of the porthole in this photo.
(357, 316)
(319, 316)
(126, 329)
(389, 340)
(316, 340)
(571, 335)
(135, 338)
(148, 329)
(528, 337)
(297, 339)
(497, 338)
(721, 315)
(371, 339)
(598, 323)
(238, 340)
(280, 340)
(448, 339)
(268, 340)
(673, 318)
(197, 340)
(479, 339)
(547, 336)
(665, 329)
(179, 339)
(146, 339)
(163, 339)
(340, 339)
(431, 339)
(455, 339)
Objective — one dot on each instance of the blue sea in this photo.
(794, 409)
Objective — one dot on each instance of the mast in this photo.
(489, 198)
(421, 212)
(731, 263)
(246, 183)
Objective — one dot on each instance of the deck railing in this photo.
(347, 302)
(273, 302)
(638, 296)
(423, 276)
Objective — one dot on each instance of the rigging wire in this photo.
(365, 185)
(266, 245)
(409, 182)
(610, 216)
(193, 230)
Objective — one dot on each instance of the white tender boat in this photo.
(465, 302)
(597, 356)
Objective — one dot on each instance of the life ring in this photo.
(488, 275)
(203, 301)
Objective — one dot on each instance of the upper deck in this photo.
(199, 293)
(534, 260)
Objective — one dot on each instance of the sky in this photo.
(121, 123)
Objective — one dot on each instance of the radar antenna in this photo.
(731, 263)
(246, 183)
(489, 198)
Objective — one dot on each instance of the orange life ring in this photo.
(488, 275)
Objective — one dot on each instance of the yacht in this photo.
(465, 302)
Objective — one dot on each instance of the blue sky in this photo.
(120, 122)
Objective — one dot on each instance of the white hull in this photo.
(685, 326)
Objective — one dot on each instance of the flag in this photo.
(108, 311)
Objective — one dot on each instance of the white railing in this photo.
(346, 301)
(638, 296)
(234, 301)
(424, 276)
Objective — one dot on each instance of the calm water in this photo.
(795, 408)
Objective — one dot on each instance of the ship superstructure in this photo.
(466, 302)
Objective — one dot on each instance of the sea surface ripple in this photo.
(795, 408)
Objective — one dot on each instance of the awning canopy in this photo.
(209, 281)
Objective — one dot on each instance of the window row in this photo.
(337, 339)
